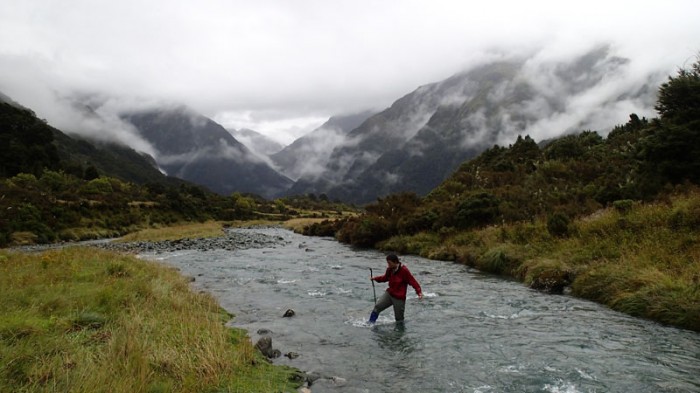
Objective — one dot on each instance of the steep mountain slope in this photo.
(257, 142)
(25, 142)
(111, 159)
(424, 136)
(308, 155)
(30, 145)
(195, 148)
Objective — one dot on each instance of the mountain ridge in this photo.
(425, 135)
(195, 148)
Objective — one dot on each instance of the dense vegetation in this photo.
(84, 320)
(542, 212)
(45, 197)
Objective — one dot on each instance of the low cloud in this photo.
(282, 68)
(315, 153)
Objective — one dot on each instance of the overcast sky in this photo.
(283, 67)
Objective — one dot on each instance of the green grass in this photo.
(84, 320)
(643, 259)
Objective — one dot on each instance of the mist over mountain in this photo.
(308, 155)
(257, 142)
(32, 143)
(194, 148)
(424, 136)
(413, 145)
(6, 99)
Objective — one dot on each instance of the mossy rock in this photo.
(548, 276)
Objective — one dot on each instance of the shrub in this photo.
(477, 210)
(365, 231)
(99, 186)
(623, 206)
(416, 222)
(558, 225)
(497, 261)
(323, 228)
(685, 217)
(25, 180)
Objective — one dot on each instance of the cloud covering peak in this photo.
(282, 68)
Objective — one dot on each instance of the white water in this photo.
(471, 333)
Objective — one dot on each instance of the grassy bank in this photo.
(640, 259)
(84, 320)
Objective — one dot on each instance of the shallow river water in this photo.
(470, 333)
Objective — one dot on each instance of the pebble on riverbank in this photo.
(233, 240)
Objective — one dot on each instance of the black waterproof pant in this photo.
(387, 300)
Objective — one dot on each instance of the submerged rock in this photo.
(264, 345)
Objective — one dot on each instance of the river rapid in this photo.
(471, 332)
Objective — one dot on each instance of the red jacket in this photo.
(399, 281)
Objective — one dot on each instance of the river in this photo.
(471, 332)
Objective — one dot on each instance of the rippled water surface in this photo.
(471, 333)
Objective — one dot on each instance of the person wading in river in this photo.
(399, 278)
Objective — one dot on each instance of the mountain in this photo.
(309, 154)
(31, 145)
(195, 148)
(424, 136)
(25, 142)
(4, 98)
(111, 159)
(257, 142)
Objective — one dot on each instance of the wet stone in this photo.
(233, 240)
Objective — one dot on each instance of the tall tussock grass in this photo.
(84, 320)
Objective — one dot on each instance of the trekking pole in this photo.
(374, 291)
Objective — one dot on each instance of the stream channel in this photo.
(472, 332)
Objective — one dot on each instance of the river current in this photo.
(471, 332)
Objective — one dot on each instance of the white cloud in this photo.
(284, 128)
(289, 64)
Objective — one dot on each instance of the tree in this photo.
(671, 152)
(91, 173)
(679, 98)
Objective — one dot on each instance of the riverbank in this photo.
(82, 319)
(639, 259)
